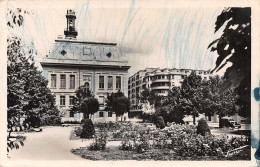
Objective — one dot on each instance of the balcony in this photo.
(71, 32)
(161, 80)
(160, 87)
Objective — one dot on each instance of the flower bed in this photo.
(179, 140)
(116, 153)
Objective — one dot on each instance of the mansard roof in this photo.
(71, 51)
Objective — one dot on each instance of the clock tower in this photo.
(70, 31)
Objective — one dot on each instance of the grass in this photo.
(115, 153)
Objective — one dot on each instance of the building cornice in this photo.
(50, 64)
(84, 42)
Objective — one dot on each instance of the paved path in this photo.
(51, 144)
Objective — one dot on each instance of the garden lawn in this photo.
(115, 153)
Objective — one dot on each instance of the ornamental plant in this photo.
(203, 127)
(100, 141)
(160, 122)
(88, 129)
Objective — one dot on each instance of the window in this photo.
(110, 82)
(71, 100)
(101, 114)
(110, 114)
(72, 81)
(133, 102)
(118, 82)
(101, 82)
(86, 86)
(63, 81)
(53, 80)
(71, 114)
(62, 100)
(182, 77)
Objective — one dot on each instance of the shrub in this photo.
(203, 127)
(100, 142)
(160, 122)
(87, 129)
(142, 144)
(33, 121)
(71, 122)
(128, 141)
(78, 131)
(50, 120)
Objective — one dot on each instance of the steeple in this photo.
(70, 31)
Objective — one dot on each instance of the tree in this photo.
(234, 46)
(85, 102)
(173, 106)
(151, 105)
(191, 91)
(151, 97)
(211, 93)
(215, 101)
(227, 104)
(118, 103)
(27, 90)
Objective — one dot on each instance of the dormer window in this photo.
(109, 54)
(63, 52)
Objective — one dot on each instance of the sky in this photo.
(160, 35)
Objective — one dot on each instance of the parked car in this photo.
(234, 124)
(229, 123)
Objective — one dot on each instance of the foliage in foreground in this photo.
(100, 141)
(180, 140)
(234, 45)
(115, 153)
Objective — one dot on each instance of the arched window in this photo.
(86, 85)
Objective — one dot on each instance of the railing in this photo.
(70, 29)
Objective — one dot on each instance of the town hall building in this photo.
(98, 66)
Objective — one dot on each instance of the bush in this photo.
(33, 121)
(87, 129)
(50, 120)
(99, 142)
(160, 122)
(71, 122)
(78, 131)
(203, 127)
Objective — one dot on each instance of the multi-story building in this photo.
(158, 80)
(98, 66)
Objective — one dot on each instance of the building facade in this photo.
(98, 66)
(158, 80)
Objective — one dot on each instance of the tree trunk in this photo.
(220, 122)
(209, 117)
(194, 119)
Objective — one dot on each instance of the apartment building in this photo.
(158, 80)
